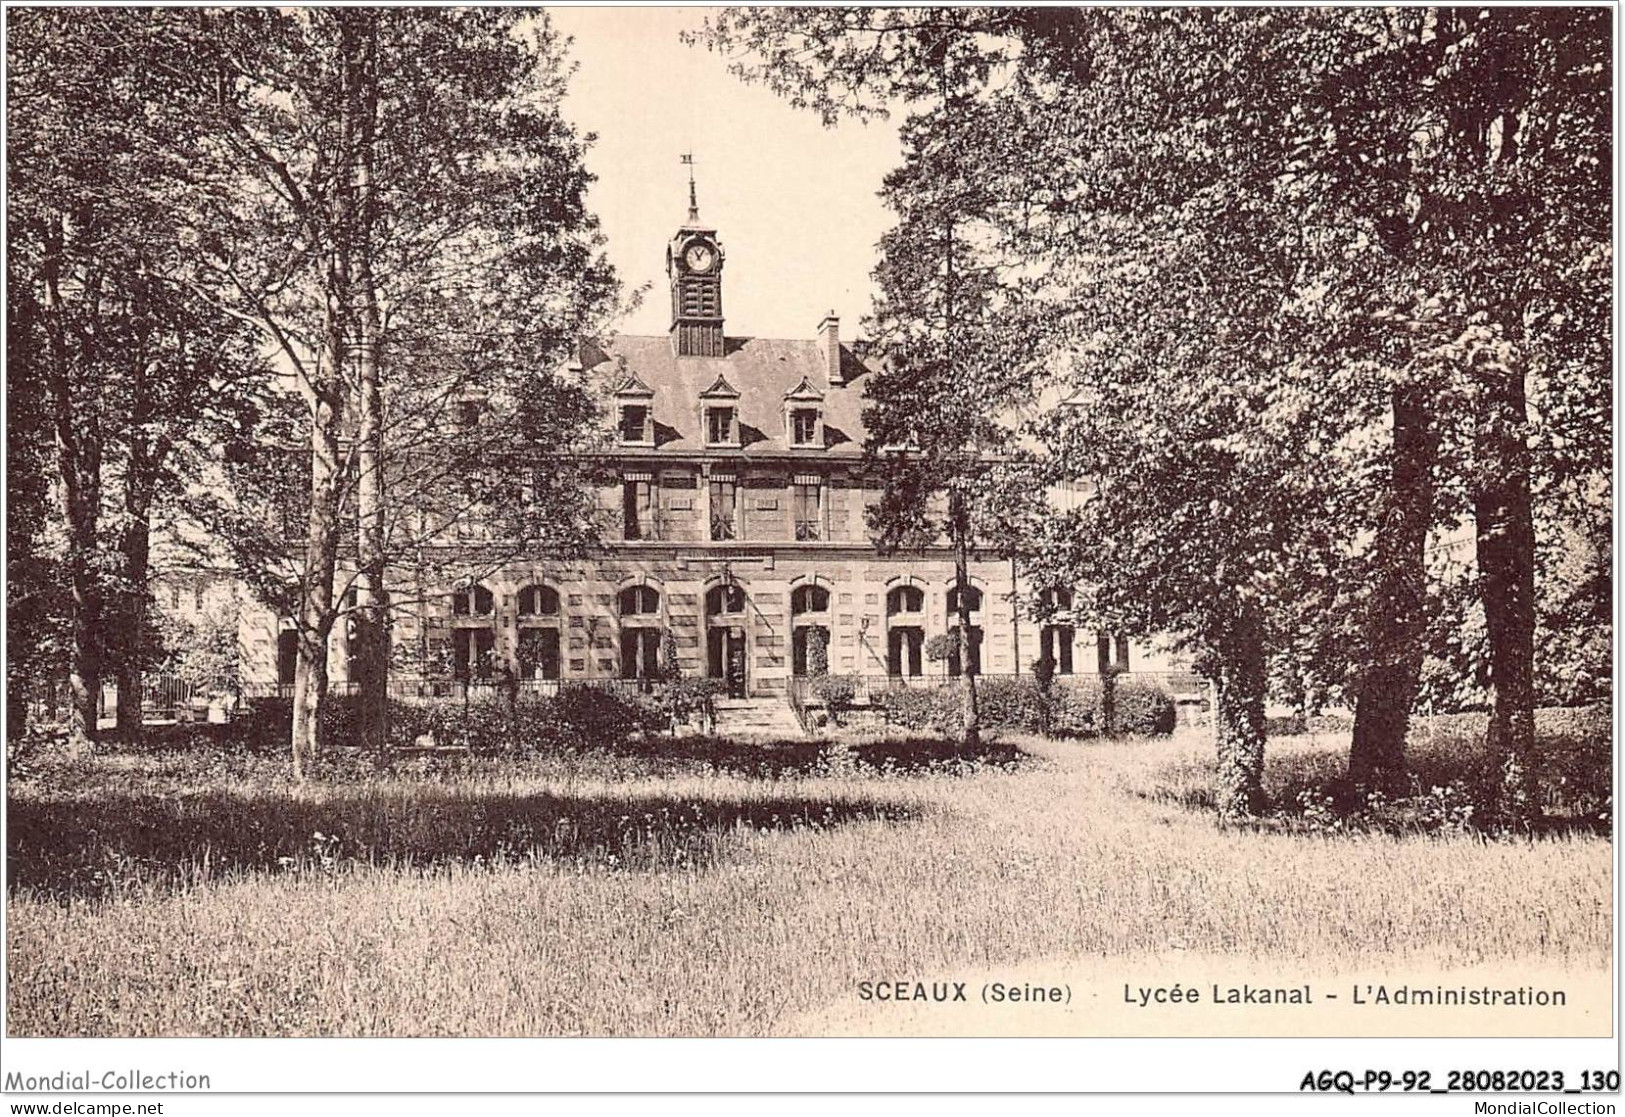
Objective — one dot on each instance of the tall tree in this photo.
(100, 237)
(939, 409)
(1522, 199)
(33, 605)
(1344, 225)
(428, 262)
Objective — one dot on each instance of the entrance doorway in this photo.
(538, 653)
(725, 658)
(471, 653)
(799, 642)
(903, 650)
(640, 653)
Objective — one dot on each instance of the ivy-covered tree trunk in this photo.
(1396, 612)
(1506, 567)
(970, 713)
(1239, 785)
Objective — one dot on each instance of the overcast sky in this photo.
(794, 203)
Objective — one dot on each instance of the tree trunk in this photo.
(79, 454)
(971, 734)
(326, 400)
(309, 694)
(1506, 566)
(1396, 613)
(372, 620)
(84, 664)
(1239, 784)
(136, 551)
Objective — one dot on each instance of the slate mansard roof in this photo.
(763, 371)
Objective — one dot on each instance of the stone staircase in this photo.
(757, 719)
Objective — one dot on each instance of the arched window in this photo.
(725, 599)
(905, 599)
(639, 601)
(473, 601)
(973, 599)
(538, 601)
(1056, 599)
(809, 599)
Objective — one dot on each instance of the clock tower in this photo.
(694, 264)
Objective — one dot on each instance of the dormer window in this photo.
(719, 413)
(634, 416)
(468, 407)
(721, 426)
(634, 423)
(804, 415)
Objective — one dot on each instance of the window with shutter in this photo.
(807, 504)
(724, 508)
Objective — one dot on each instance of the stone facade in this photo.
(738, 527)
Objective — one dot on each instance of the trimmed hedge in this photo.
(575, 716)
(1071, 708)
(1142, 709)
(924, 709)
(1075, 707)
(1007, 703)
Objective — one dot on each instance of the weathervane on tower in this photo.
(693, 203)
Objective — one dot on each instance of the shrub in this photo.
(1072, 708)
(683, 698)
(928, 709)
(340, 719)
(1075, 707)
(836, 693)
(1141, 708)
(1012, 703)
(576, 715)
(600, 714)
(262, 725)
(486, 726)
(817, 652)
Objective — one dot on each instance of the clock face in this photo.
(699, 257)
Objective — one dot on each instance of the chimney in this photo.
(829, 340)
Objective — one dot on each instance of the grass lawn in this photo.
(673, 893)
